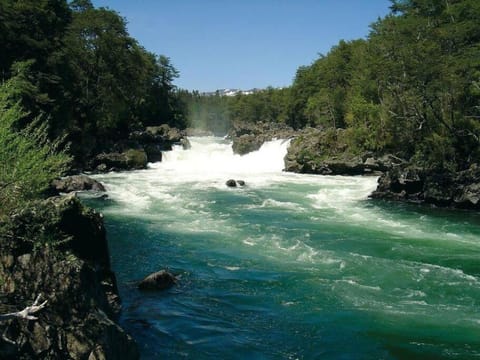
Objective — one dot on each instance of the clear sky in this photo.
(218, 44)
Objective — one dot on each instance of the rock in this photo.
(432, 186)
(160, 280)
(101, 168)
(234, 183)
(324, 152)
(185, 144)
(166, 132)
(401, 184)
(248, 137)
(154, 152)
(231, 183)
(469, 196)
(58, 248)
(157, 139)
(247, 143)
(389, 161)
(77, 183)
(135, 159)
(131, 159)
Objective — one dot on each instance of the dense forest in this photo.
(73, 84)
(77, 67)
(412, 88)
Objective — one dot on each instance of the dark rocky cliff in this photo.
(58, 248)
(432, 186)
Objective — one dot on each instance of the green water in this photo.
(289, 267)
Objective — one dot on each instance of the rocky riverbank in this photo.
(315, 151)
(58, 248)
(312, 151)
(437, 187)
(140, 148)
(325, 152)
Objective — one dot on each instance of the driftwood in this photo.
(23, 314)
(27, 312)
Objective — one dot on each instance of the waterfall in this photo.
(212, 158)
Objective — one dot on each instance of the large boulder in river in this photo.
(58, 248)
(160, 280)
(77, 183)
(247, 143)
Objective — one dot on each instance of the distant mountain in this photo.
(231, 92)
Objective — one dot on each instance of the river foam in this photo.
(288, 255)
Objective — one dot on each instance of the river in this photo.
(290, 266)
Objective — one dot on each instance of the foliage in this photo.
(29, 160)
(216, 113)
(411, 88)
(93, 79)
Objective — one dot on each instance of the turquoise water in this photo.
(290, 266)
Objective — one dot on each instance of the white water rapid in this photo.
(212, 159)
(287, 261)
(210, 162)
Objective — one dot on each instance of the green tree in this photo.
(163, 104)
(426, 57)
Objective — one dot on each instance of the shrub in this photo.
(29, 161)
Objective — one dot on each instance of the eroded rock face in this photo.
(58, 248)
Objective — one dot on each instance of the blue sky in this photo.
(217, 44)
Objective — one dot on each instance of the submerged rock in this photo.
(160, 280)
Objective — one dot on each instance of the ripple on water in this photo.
(291, 265)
